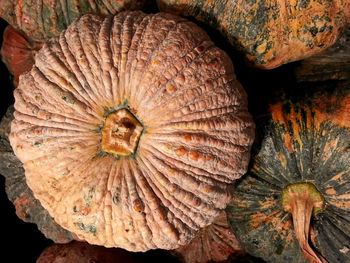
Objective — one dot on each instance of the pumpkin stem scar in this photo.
(302, 200)
(121, 133)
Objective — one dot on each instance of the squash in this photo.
(17, 52)
(41, 20)
(269, 33)
(331, 64)
(293, 205)
(214, 243)
(131, 130)
(28, 208)
(81, 252)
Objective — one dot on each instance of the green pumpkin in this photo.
(299, 169)
(270, 33)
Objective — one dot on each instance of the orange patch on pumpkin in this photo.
(180, 151)
(194, 156)
(187, 138)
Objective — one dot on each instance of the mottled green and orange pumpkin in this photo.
(294, 203)
(270, 33)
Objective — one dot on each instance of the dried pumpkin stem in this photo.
(302, 200)
(121, 133)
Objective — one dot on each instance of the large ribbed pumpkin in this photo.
(270, 33)
(132, 130)
(294, 203)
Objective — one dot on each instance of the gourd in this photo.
(81, 252)
(293, 205)
(214, 243)
(131, 130)
(270, 33)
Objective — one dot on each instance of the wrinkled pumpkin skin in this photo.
(17, 52)
(305, 137)
(214, 243)
(174, 87)
(28, 208)
(41, 20)
(270, 33)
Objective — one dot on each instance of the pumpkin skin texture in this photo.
(214, 243)
(43, 19)
(158, 72)
(331, 64)
(28, 208)
(270, 33)
(303, 140)
(81, 252)
(17, 52)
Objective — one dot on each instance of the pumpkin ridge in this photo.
(212, 172)
(60, 67)
(194, 221)
(189, 190)
(177, 178)
(172, 66)
(139, 97)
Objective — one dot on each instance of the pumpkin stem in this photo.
(302, 200)
(121, 133)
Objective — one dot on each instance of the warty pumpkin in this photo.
(27, 207)
(132, 129)
(270, 33)
(293, 205)
(214, 243)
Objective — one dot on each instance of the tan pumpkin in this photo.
(214, 243)
(132, 129)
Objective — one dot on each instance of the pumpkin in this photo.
(214, 243)
(131, 130)
(41, 20)
(331, 64)
(293, 205)
(17, 52)
(28, 208)
(269, 33)
(81, 252)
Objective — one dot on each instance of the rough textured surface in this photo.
(305, 138)
(17, 52)
(214, 243)
(27, 207)
(331, 64)
(80, 252)
(270, 33)
(43, 19)
(195, 142)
